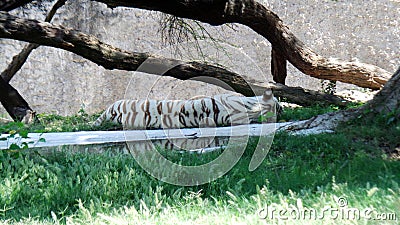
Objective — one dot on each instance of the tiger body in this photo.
(220, 110)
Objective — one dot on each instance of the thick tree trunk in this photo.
(15, 104)
(388, 99)
(321, 123)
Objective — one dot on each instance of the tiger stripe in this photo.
(220, 110)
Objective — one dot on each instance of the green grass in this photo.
(55, 123)
(356, 163)
(303, 113)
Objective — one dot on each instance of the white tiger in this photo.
(220, 110)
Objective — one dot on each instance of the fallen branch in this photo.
(387, 100)
(321, 123)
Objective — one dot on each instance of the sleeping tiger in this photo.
(220, 110)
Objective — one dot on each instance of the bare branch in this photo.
(269, 25)
(19, 60)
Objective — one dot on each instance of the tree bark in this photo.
(321, 123)
(110, 57)
(269, 25)
(388, 99)
(8, 5)
(15, 104)
(278, 66)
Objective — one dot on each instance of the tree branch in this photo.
(111, 57)
(19, 60)
(264, 22)
(269, 25)
(8, 5)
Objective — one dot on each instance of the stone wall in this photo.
(56, 81)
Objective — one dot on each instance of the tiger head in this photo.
(267, 108)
